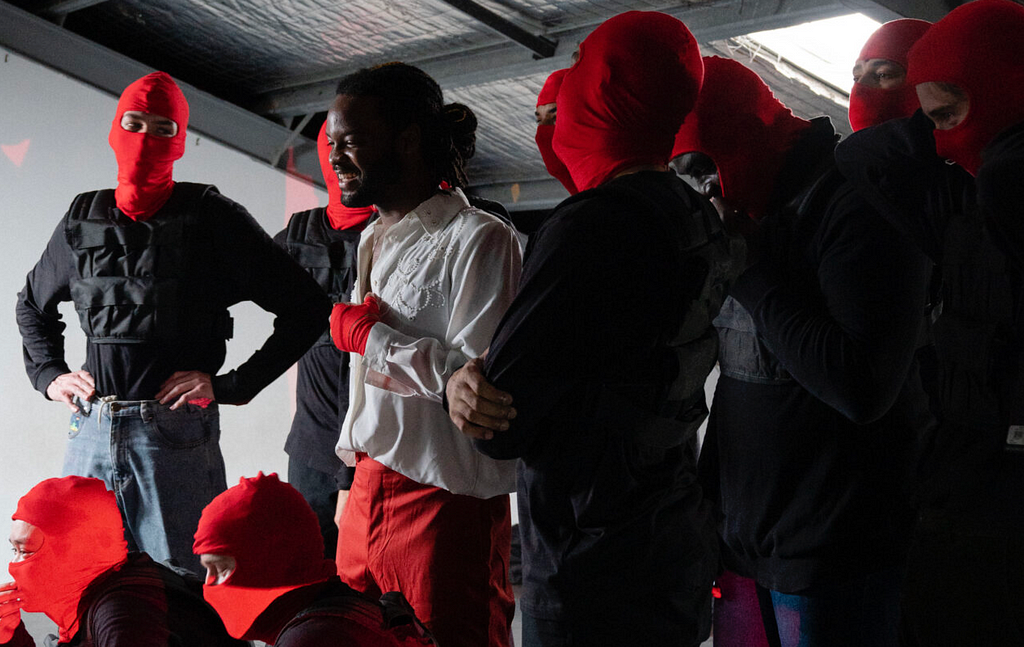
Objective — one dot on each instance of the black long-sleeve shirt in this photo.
(143, 604)
(237, 262)
(812, 433)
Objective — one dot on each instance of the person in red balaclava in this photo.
(72, 563)
(965, 578)
(324, 241)
(818, 375)
(546, 114)
(880, 91)
(605, 351)
(268, 579)
(152, 267)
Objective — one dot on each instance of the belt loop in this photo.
(146, 411)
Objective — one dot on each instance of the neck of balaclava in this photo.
(142, 191)
(342, 217)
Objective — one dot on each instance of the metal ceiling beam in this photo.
(111, 72)
(886, 10)
(712, 21)
(539, 45)
(64, 7)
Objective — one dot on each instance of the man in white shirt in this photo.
(427, 515)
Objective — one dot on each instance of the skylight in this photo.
(825, 48)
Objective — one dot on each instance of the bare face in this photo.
(25, 540)
(218, 567)
(945, 106)
(148, 124)
(545, 114)
(879, 73)
(364, 150)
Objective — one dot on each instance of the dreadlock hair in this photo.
(408, 95)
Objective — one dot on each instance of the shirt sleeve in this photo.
(484, 277)
(42, 331)
(255, 269)
(853, 347)
(131, 616)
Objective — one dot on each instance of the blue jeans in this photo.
(321, 493)
(163, 466)
(860, 613)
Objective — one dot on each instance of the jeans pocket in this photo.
(185, 429)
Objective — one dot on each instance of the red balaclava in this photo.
(83, 537)
(744, 129)
(872, 106)
(145, 162)
(275, 539)
(976, 47)
(341, 217)
(546, 132)
(620, 105)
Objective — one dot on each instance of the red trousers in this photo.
(448, 553)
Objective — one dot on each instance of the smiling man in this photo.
(426, 514)
(152, 267)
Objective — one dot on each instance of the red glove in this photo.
(350, 324)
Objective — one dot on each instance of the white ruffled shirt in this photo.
(445, 276)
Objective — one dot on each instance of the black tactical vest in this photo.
(328, 254)
(135, 277)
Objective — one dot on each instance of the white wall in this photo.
(53, 145)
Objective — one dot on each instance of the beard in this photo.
(375, 182)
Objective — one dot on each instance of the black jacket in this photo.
(972, 465)
(607, 518)
(232, 260)
(818, 407)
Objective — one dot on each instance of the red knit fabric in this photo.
(637, 77)
(83, 537)
(892, 41)
(144, 161)
(976, 47)
(275, 539)
(341, 217)
(546, 133)
(744, 129)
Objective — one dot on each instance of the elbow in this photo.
(867, 405)
(500, 447)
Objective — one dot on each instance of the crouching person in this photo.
(267, 577)
(72, 563)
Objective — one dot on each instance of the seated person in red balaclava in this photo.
(152, 267)
(267, 577)
(617, 546)
(818, 406)
(72, 563)
(880, 91)
(965, 577)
